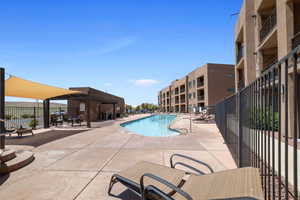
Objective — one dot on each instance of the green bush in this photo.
(33, 123)
(8, 117)
(25, 116)
(263, 119)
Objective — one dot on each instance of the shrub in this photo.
(264, 119)
(33, 123)
(25, 116)
(8, 117)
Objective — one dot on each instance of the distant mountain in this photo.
(32, 104)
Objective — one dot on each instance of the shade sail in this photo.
(17, 87)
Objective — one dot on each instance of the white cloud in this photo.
(116, 45)
(144, 82)
(107, 84)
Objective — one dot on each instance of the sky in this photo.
(130, 48)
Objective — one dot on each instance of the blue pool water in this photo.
(155, 126)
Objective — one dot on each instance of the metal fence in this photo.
(260, 125)
(27, 117)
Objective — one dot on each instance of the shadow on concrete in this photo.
(3, 178)
(41, 138)
(127, 195)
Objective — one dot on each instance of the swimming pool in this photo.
(155, 126)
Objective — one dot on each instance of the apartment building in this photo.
(265, 32)
(203, 87)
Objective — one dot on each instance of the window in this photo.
(190, 95)
(229, 75)
(194, 83)
(190, 84)
(194, 95)
(230, 90)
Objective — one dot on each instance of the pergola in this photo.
(87, 95)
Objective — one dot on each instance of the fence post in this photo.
(225, 121)
(46, 113)
(34, 118)
(2, 108)
(240, 135)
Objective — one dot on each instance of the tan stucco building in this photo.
(203, 87)
(265, 32)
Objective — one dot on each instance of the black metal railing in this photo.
(28, 117)
(268, 24)
(200, 83)
(296, 40)
(260, 125)
(201, 98)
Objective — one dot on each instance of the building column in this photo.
(2, 108)
(46, 113)
(114, 111)
(88, 114)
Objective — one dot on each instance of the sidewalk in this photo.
(80, 166)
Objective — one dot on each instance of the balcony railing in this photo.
(268, 25)
(201, 98)
(241, 85)
(296, 40)
(182, 100)
(200, 84)
(182, 90)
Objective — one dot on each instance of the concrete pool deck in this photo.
(80, 166)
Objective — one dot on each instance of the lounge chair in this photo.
(131, 177)
(236, 184)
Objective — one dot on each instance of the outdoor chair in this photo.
(132, 176)
(22, 131)
(235, 184)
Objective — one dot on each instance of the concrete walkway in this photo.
(80, 166)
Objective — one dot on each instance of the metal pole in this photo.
(240, 129)
(2, 108)
(190, 121)
(46, 105)
(34, 118)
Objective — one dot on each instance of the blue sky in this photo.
(131, 48)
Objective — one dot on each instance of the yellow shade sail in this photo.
(17, 87)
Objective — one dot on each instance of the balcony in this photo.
(268, 25)
(240, 54)
(182, 89)
(296, 40)
(201, 98)
(200, 82)
(182, 99)
(241, 85)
